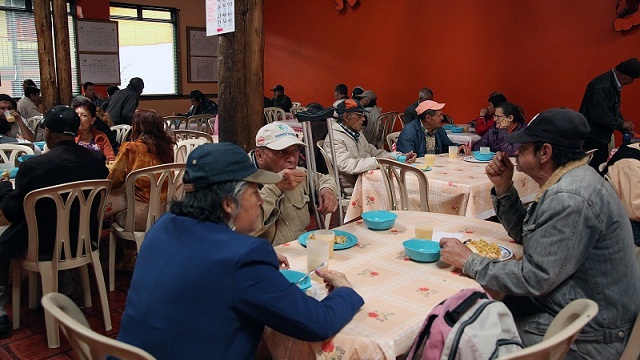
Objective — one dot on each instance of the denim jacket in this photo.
(577, 244)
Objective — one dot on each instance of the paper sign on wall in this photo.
(220, 17)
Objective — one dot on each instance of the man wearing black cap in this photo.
(576, 237)
(601, 106)
(65, 162)
(279, 99)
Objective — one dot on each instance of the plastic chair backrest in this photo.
(392, 139)
(86, 343)
(33, 123)
(122, 132)
(394, 174)
(274, 114)
(174, 122)
(561, 333)
(9, 153)
(192, 134)
(185, 147)
(386, 121)
(296, 104)
(200, 123)
(295, 109)
(169, 175)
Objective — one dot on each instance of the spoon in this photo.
(302, 279)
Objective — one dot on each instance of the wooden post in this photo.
(63, 52)
(48, 87)
(240, 65)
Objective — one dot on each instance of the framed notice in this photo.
(220, 16)
(100, 69)
(97, 36)
(202, 56)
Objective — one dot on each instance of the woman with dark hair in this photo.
(508, 118)
(485, 121)
(88, 136)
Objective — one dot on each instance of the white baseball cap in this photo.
(277, 136)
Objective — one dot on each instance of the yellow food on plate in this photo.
(338, 239)
(484, 248)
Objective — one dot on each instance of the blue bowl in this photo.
(456, 129)
(379, 219)
(24, 158)
(13, 173)
(448, 126)
(422, 250)
(294, 276)
(483, 157)
(40, 144)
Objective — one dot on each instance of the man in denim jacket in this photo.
(576, 237)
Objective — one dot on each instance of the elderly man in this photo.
(18, 125)
(372, 130)
(65, 162)
(123, 103)
(410, 112)
(281, 100)
(354, 155)
(285, 211)
(28, 104)
(425, 134)
(601, 106)
(576, 237)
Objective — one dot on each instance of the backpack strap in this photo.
(422, 336)
(451, 317)
(458, 334)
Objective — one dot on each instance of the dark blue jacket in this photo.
(412, 139)
(203, 291)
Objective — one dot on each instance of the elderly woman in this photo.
(354, 155)
(88, 136)
(203, 289)
(508, 119)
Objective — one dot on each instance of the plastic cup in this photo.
(485, 149)
(9, 117)
(328, 236)
(424, 230)
(465, 128)
(453, 152)
(317, 252)
(430, 159)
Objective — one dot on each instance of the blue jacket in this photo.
(203, 291)
(412, 139)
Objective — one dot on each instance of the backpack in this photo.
(468, 325)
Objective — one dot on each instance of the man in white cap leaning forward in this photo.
(286, 208)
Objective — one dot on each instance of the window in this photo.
(148, 43)
(19, 47)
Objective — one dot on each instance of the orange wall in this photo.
(540, 54)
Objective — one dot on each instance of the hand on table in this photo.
(464, 149)
(454, 252)
(333, 279)
(500, 172)
(291, 179)
(283, 261)
(411, 157)
(327, 201)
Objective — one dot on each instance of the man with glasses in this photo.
(354, 155)
(285, 210)
(8, 106)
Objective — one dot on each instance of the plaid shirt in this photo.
(355, 135)
(429, 139)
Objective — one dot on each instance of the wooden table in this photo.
(398, 292)
(455, 187)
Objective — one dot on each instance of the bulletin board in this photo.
(99, 68)
(202, 56)
(98, 51)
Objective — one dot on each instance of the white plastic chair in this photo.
(392, 139)
(34, 122)
(122, 132)
(561, 333)
(192, 134)
(174, 122)
(201, 123)
(274, 114)
(84, 194)
(296, 104)
(86, 343)
(394, 174)
(9, 153)
(344, 199)
(159, 175)
(185, 147)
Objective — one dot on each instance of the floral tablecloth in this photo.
(455, 187)
(398, 292)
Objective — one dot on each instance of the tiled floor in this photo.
(30, 340)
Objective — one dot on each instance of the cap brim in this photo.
(518, 138)
(285, 143)
(263, 177)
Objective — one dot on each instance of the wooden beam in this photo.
(240, 66)
(63, 52)
(48, 87)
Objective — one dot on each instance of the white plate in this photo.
(505, 252)
(472, 159)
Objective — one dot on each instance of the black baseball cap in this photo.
(348, 106)
(211, 164)
(62, 119)
(559, 126)
(278, 88)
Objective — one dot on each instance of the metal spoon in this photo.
(302, 279)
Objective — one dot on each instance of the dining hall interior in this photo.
(539, 55)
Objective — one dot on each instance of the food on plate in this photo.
(338, 239)
(484, 248)
(6, 174)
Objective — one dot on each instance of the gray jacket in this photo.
(577, 244)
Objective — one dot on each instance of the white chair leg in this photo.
(34, 290)
(86, 289)
(102, 290)
(50, 284)
(15, 295)
(112, 262)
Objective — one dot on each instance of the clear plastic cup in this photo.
(328, 236)
(9, 117)
(430, 159)
(485, 149)
(424, 230)
(317, 252)
(453, 152)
